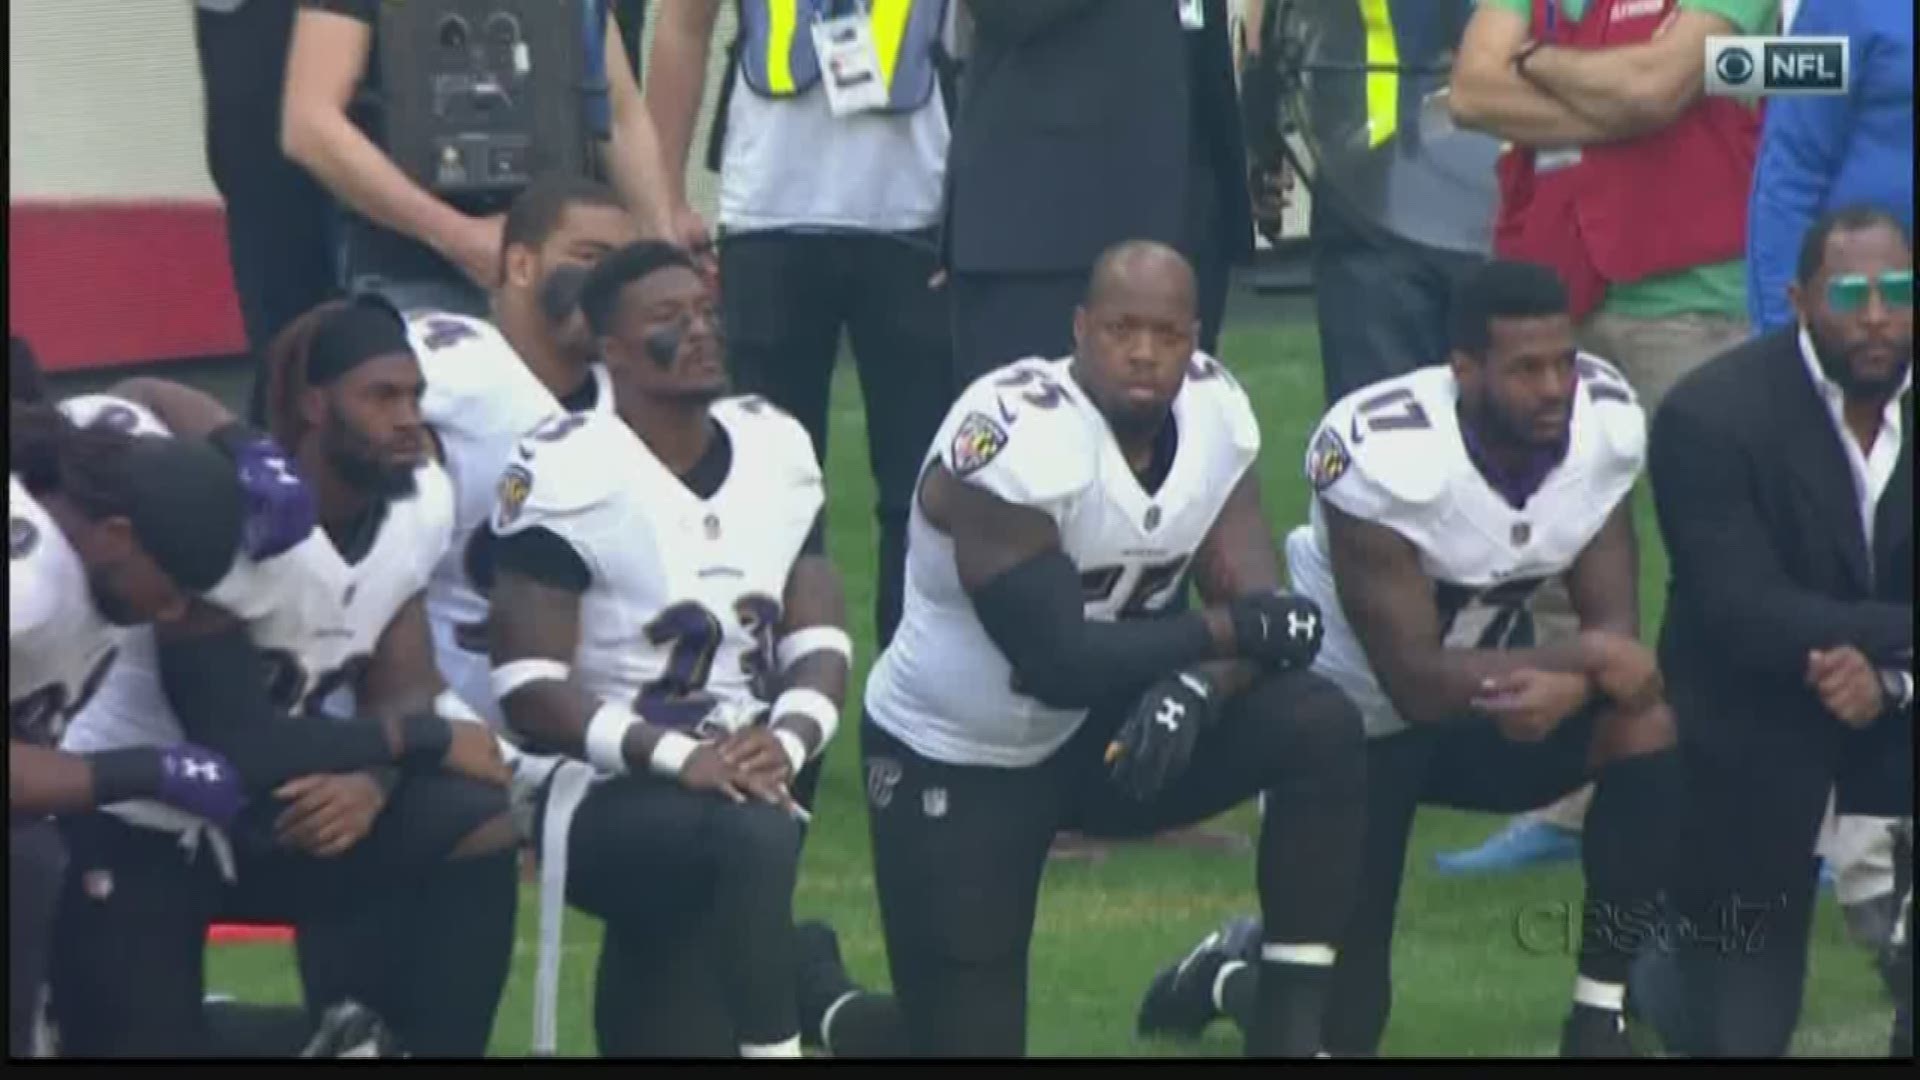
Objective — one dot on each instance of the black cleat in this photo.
(1179, 1001)
(351, 1030)
(1596, 1033)
(821, 977)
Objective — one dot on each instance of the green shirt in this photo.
(1717, 288)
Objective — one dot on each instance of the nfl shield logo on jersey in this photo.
(979, 440)
(1153, 518)
(712, 526)
(1327, 459)
(1522, 532)
(515, 485)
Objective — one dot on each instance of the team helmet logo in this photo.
(515, 485)
(979, 440)
(1327, 459)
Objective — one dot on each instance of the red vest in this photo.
(1659, 203)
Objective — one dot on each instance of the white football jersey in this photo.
(59, 648)
(1393, 453)
(686, 592)
(480, 400)
(1029, 434)
(314, 616)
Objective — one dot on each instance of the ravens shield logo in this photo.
(515, 485)
(979, 440)
(1327, 459)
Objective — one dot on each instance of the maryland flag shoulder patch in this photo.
(978, 441)
(516, 483)
(1327, 459)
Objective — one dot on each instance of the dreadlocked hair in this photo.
(286, 361)
(52, 455)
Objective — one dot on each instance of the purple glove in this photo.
(280, 509)
(201, 782)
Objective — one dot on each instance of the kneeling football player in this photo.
(380, 826)
(1445, 501)
(664, 618)
(1043, 679)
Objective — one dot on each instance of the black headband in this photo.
(352, 336)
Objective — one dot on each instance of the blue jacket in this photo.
(1823, 153)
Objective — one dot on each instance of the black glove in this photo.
(1152, 748)
(1279, 630)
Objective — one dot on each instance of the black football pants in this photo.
(36, 865)
(696, 894)
(959, 851)
(421, 939)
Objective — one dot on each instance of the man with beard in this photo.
(402, 886)
(1783, 475)
(489, 383)
(1046, 677)
(1444, 500)
(103, 533)
(662, 612)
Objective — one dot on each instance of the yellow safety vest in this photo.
(777, 57)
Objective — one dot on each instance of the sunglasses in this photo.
(1848, 293)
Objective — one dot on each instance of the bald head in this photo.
(1142, 268)
(1134, 335)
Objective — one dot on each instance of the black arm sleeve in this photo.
(218, 689)
(540, 554)
(816, 541)
(1035, 614)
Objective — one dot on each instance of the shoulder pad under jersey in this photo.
(1610, 404)
(1021, 432)
(115, 413)
(571, 463)
(465, 362)
(772, 431)
(433, 489)
(1384, 449)
(1226, 399)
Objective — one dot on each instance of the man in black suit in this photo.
(1783, 476)
(1083, 123)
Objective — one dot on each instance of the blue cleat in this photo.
(1516, 847)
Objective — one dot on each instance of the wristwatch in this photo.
(1896, 688)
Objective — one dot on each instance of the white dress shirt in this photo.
(1872, 470)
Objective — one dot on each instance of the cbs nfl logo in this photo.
(1775, 66)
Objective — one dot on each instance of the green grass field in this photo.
(1465, 983)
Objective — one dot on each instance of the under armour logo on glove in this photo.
(200, 782)
(1257, 629)
(1152, 748)
(280, 508)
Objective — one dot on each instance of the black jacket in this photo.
(1075, 132)
(1756, 502)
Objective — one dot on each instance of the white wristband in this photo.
(812, 639)
(812, 704)
(670, 754)
(607, 738)
(794, 745)
(515, 674)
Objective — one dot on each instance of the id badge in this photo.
(849, 65)
(1193, 14)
